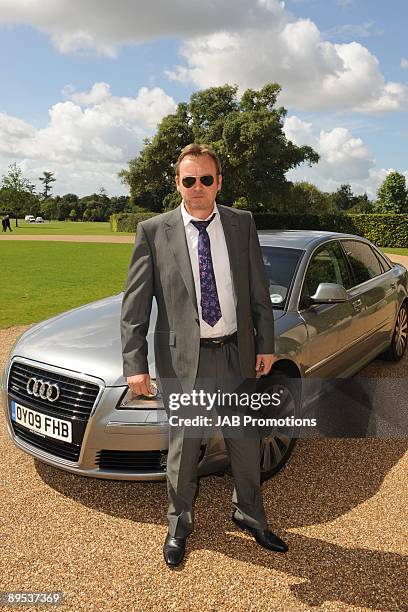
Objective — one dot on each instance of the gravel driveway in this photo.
(340, 504)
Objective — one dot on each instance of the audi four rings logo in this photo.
(43, 389)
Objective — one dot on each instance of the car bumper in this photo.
(116, 444)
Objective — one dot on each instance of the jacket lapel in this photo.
(176, 236)
(230, 226)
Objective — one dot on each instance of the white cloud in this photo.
(98, 93)
(299, 132)
(343, 158)
(101, 25)
(377, 176)
(315, 74)
(404, 63)
(246, 42)
(87, 141)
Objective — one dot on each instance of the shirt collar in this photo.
(187, 217)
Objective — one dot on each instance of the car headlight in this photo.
(130, 401)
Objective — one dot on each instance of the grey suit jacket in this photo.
(160, 266)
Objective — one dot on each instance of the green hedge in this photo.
(384, 230)
(127, 222)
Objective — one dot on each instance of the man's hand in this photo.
(264, 364)
(139, 384)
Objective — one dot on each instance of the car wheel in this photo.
(398, 345)
(277, 442)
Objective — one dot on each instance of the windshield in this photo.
(280, 266)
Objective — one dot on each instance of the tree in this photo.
(96, 206)
(247, 135)
(64, 204)
(103, 193)
(46, 180)
(392, 196)
(86, 215)
(119, 204)
(17, 192)
(307, 198)
(172, 200)
(49, 208)
(150, 175)
(343, 198)
(362, 205)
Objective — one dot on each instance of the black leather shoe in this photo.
(265, 538)
(173, 550)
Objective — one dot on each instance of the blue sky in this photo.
(84, 81)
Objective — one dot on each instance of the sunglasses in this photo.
(207, 180)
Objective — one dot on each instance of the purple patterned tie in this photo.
(210, 305)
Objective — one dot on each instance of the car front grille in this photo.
(132, 461)
(75, 403)
(77, 397)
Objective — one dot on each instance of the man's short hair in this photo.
(195, 150)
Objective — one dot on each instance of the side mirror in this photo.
(329, 293)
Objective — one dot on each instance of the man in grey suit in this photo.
(214, 330)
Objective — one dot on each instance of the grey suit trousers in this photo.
(218, 370)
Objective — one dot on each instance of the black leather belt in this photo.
(217, 342)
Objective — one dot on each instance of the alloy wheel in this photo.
(277, 441)
(401, 332)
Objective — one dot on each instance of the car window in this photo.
(280, 265)
(384, 263)
(327, 265)
(363, 261)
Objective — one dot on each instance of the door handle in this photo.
(357, 305)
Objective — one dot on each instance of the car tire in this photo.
(397, 348)
(277, 443)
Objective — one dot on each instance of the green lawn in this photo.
(65, 227)
(41, 279)
(395, 251)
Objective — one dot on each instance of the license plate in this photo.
(41, 423)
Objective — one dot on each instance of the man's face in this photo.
(198, 199)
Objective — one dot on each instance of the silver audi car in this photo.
(338, 303)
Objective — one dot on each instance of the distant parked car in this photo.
(39, 220)
(29, 218)
(338, 302)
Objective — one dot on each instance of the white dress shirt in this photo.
(219, 253)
